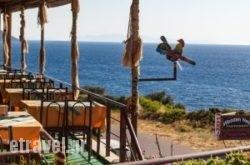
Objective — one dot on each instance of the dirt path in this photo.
(165, 146)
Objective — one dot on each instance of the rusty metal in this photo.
(163, 78)
(134, 138)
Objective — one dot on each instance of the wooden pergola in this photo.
(7, 7)
(133, 51)
(15, 5)
(133, 45)
(131, 59)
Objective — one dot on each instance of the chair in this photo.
(5, 143)
(11, 79)
(33, 94)
(6, 82)
(86, 128)
(5, 107)
(17, 79)
(58, 94)
(43, 83)
(52, 116)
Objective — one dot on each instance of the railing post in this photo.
(123, 136)
(108, 130)
(89, 138)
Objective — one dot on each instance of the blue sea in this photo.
(220, 79)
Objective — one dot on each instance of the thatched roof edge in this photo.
(16, 5)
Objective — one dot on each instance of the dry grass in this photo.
(201, 139)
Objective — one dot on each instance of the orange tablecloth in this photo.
(8, 86)
(7, 82)
(23, 126)
(14, 95)
(77, 114)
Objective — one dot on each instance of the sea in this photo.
(220, 78)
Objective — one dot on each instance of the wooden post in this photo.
(7, 39)
(9, 36)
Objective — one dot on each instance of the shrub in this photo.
(161, 97)
(157, 96)
(149, 105)
(238, 158)
(172, 115)
(98, 90)
(168, 100)
(184, 128)
(180, 106)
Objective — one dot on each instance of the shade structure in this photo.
(7, 7)
(15, 5)
(11, 6)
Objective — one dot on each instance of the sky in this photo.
(196, 21)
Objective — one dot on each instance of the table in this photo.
(18, 83)
(14, 95)
(23, 126)
(12, 74)
(98, 113)
(3, 72)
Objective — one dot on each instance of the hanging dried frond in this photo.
(42, 17)
(133, 51)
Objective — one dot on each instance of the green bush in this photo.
(202, 118)
(149, 105)
(179, 106)
(157, 96)
(98, 90)
(154, 110)
(168, 100)
(172, 115)
(161, 97)
(184, 128)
